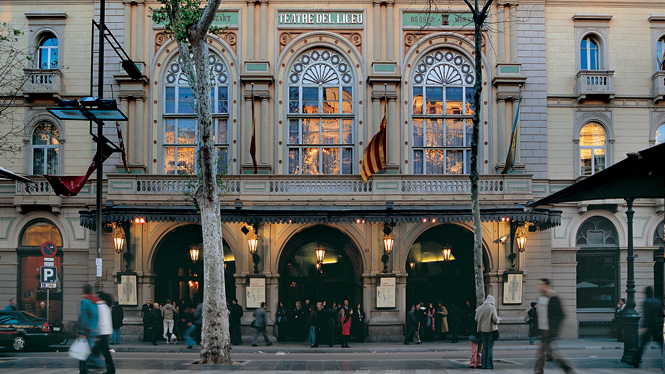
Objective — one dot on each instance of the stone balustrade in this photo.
(596, 83)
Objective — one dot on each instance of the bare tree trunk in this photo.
(479, 17)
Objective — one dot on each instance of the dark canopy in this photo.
(640, 175)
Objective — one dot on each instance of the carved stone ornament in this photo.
(231, 38)
(161, 38)
(356, 39)
(284, 38)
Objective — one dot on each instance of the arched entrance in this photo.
(177, 276)
(337, 278)
(433, 278)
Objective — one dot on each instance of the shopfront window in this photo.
(31, 295)
(179, 117)
(442, 99)
(321, 119)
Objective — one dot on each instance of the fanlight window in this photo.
(179, 118)
(597, 231)
(592, 149)
(442, 98)
(660, 134)
(321, 119)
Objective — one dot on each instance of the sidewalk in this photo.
(371, 347)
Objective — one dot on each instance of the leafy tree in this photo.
(12, 78)
(189, 23)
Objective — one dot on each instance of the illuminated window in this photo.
(48, 52)
(45, 146)
(179, 117)
(660, 134)
(321, 119)
(589, 53)
(442, 97)
(592, 149)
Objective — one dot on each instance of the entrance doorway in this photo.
(433, 276)
(180, 278)
(337, 277)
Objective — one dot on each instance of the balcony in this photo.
(658, 86)
(594, 84)
(42, 82)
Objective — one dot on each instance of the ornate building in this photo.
(317, 80)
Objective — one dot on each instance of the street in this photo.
(509, 357)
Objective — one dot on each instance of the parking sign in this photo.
(48, 276)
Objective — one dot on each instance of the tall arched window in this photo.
(321, 119)
(48, 52)
(660, 53)
(592, 149)
(45, 145)
(590, 54)
(597, 264)
(660, 134)
(442, 100)
(179, 117)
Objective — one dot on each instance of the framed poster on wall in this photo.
(256, 292)
(385, 293)
(512, 288)
(127, 290)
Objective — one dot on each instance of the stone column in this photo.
(246, 135)
(513, 32)
(127, 27)
(263, 33)
(390, 46)
(377, 29)
(501, 31)
(262, 150)
(392, 135)
(250, 30)
(138, 38)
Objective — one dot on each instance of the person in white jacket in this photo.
(104, 331)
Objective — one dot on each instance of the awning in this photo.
(543, 218)
(13, 176)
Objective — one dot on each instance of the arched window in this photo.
(660, 134)
(179, 117)
(321, 119)
(660, 53)
(442, 100)
(597, 264)
(592, 149)
(48, 52)
(590, 54)
(45, 146)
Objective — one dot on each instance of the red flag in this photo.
(72, 185)
(122, 146)
(374, 156)
(252, 144)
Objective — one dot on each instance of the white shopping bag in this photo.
(80, 349)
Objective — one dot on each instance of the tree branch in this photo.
(204, 23)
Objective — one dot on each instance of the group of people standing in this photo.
(172, 321)
(428, 323)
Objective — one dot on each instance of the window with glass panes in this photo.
(48, 52)
(589, 54)
(660, 134)
(660, 53)
(592, 149)
(321, 119)
(45, 146)
(179, 117)
(442, 98)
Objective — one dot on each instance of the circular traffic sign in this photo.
(49, 249)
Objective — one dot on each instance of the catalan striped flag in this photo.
(374, 156)
(662, 58)
(510, 158)
(252, 144)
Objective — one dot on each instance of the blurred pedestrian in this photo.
(87, 323)
(550, 317)
(411, 325)
(117, 315)
(198, 320)
(487, 325)
(188, 321)
(260, 324)
(12, 305)
(619, 312)
(104, 330)
(651, 325)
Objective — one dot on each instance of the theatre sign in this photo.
(313, 19)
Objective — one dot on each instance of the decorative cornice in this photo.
(592, 17)
(56, 15)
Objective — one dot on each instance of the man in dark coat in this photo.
(550, 317)
(455, 315)
(260, 324)
(234, 322)
(651, 325)
(117, 315)
(411, 325)
(145, 310)
(156, 322)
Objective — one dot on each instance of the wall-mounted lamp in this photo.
(520, 238)
(318, 267)
(447, 252)
(320, 253)
(253, 244)
(412, 265)
(118, 238)
(388, 243)
(139, 220)
(194, 251)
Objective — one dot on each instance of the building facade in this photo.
(317, 80)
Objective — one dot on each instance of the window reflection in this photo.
(592, 149)
(45, 147)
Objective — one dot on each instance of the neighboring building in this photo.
(317, 78)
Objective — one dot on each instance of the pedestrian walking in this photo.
(651, 325)
(346, 327)
(104, 330)
(532, 319)
(168, 322)
(619, 312)
(487, 325)
(87, 322)
(188, 321)
(282, 322)
(117, 315)
(260, 323)
(198, 321)
(235, 315)
(145, 312)
(12, 305)
(156, 323)
(550, 316)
